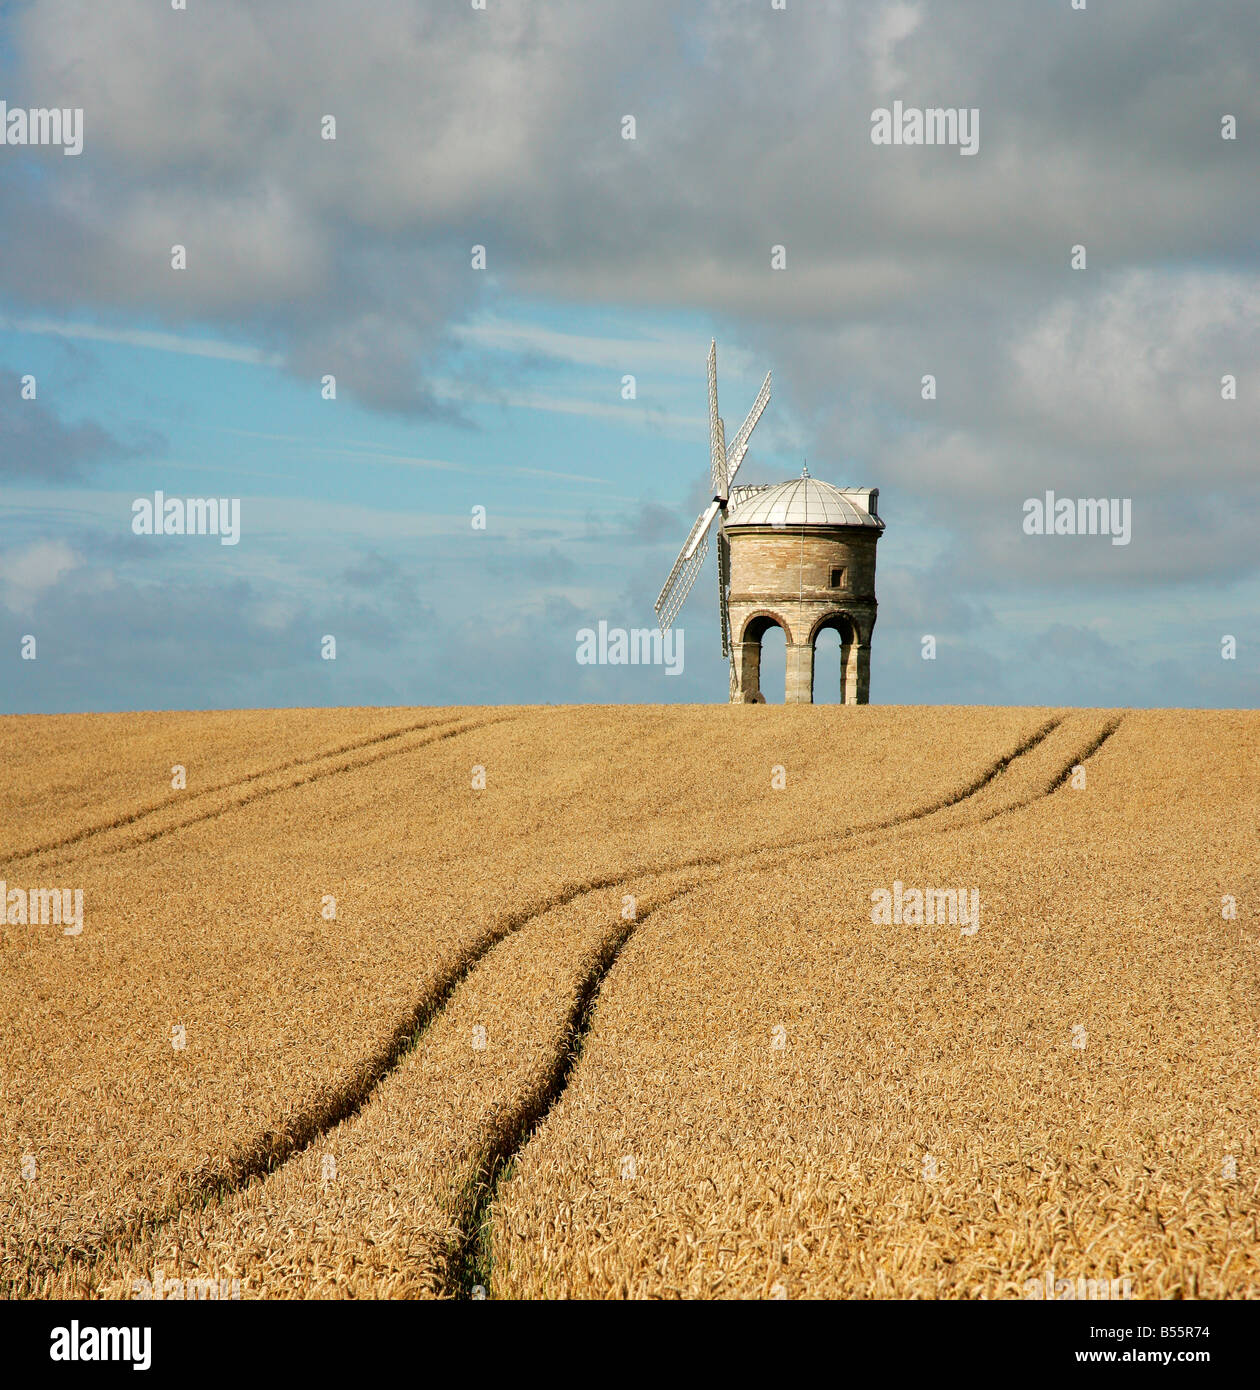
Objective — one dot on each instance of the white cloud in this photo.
(889, 26)
(26, 574)
(1139, 365)
(679, 353)
(141, 338)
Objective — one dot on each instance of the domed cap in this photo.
(803, 501)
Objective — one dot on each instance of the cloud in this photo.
(36, 444)
(119, 638)
(355, 253)
(382, 576)
(502, 128)
(134, 337)
(1138, 365)
(635, 414)
(889, 25)
(28, 573)
(652, 524)
(553, 566)
(672, 354)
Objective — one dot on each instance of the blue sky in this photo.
(502, 388)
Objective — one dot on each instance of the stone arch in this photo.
(760, 621)
(855, 653)
(838, 620)
(847, 628)
(748, 653)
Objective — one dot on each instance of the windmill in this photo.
(724, 462)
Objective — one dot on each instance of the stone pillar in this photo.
(800, 674)
(747, 668)
(862, 674)
(851, 658)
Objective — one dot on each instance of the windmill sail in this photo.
(717, 439)
(676, 588)
(739, 445)
(724, 462)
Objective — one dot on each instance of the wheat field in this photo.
(632, 1002)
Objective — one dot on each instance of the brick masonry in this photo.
(786, 577)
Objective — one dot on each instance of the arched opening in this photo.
(764, 662)
(834, 643)
(773, 664)
(828, 668)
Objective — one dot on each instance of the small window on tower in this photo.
(837, 577)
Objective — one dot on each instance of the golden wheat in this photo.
(810, 1104)
(206, 914)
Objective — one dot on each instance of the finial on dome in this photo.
(805, 469)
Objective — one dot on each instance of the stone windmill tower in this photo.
(798, 555)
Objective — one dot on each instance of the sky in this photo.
(459, 387)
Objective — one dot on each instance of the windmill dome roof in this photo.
(803, 501)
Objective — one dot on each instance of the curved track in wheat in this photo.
(517, 922)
